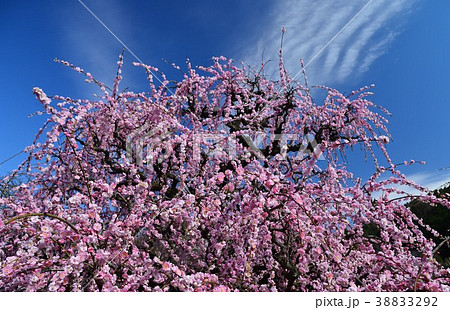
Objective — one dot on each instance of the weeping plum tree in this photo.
(224, 181)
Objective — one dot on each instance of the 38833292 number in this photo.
(406, 301)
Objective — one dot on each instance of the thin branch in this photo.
(41, 214)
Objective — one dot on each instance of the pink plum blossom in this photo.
(122, 195)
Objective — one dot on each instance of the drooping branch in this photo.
(23, 216)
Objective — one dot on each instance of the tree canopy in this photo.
(222, 181)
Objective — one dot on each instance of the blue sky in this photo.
(400, 46)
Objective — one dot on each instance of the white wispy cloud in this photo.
(89, 44)
(431, 179)
(312, 24)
